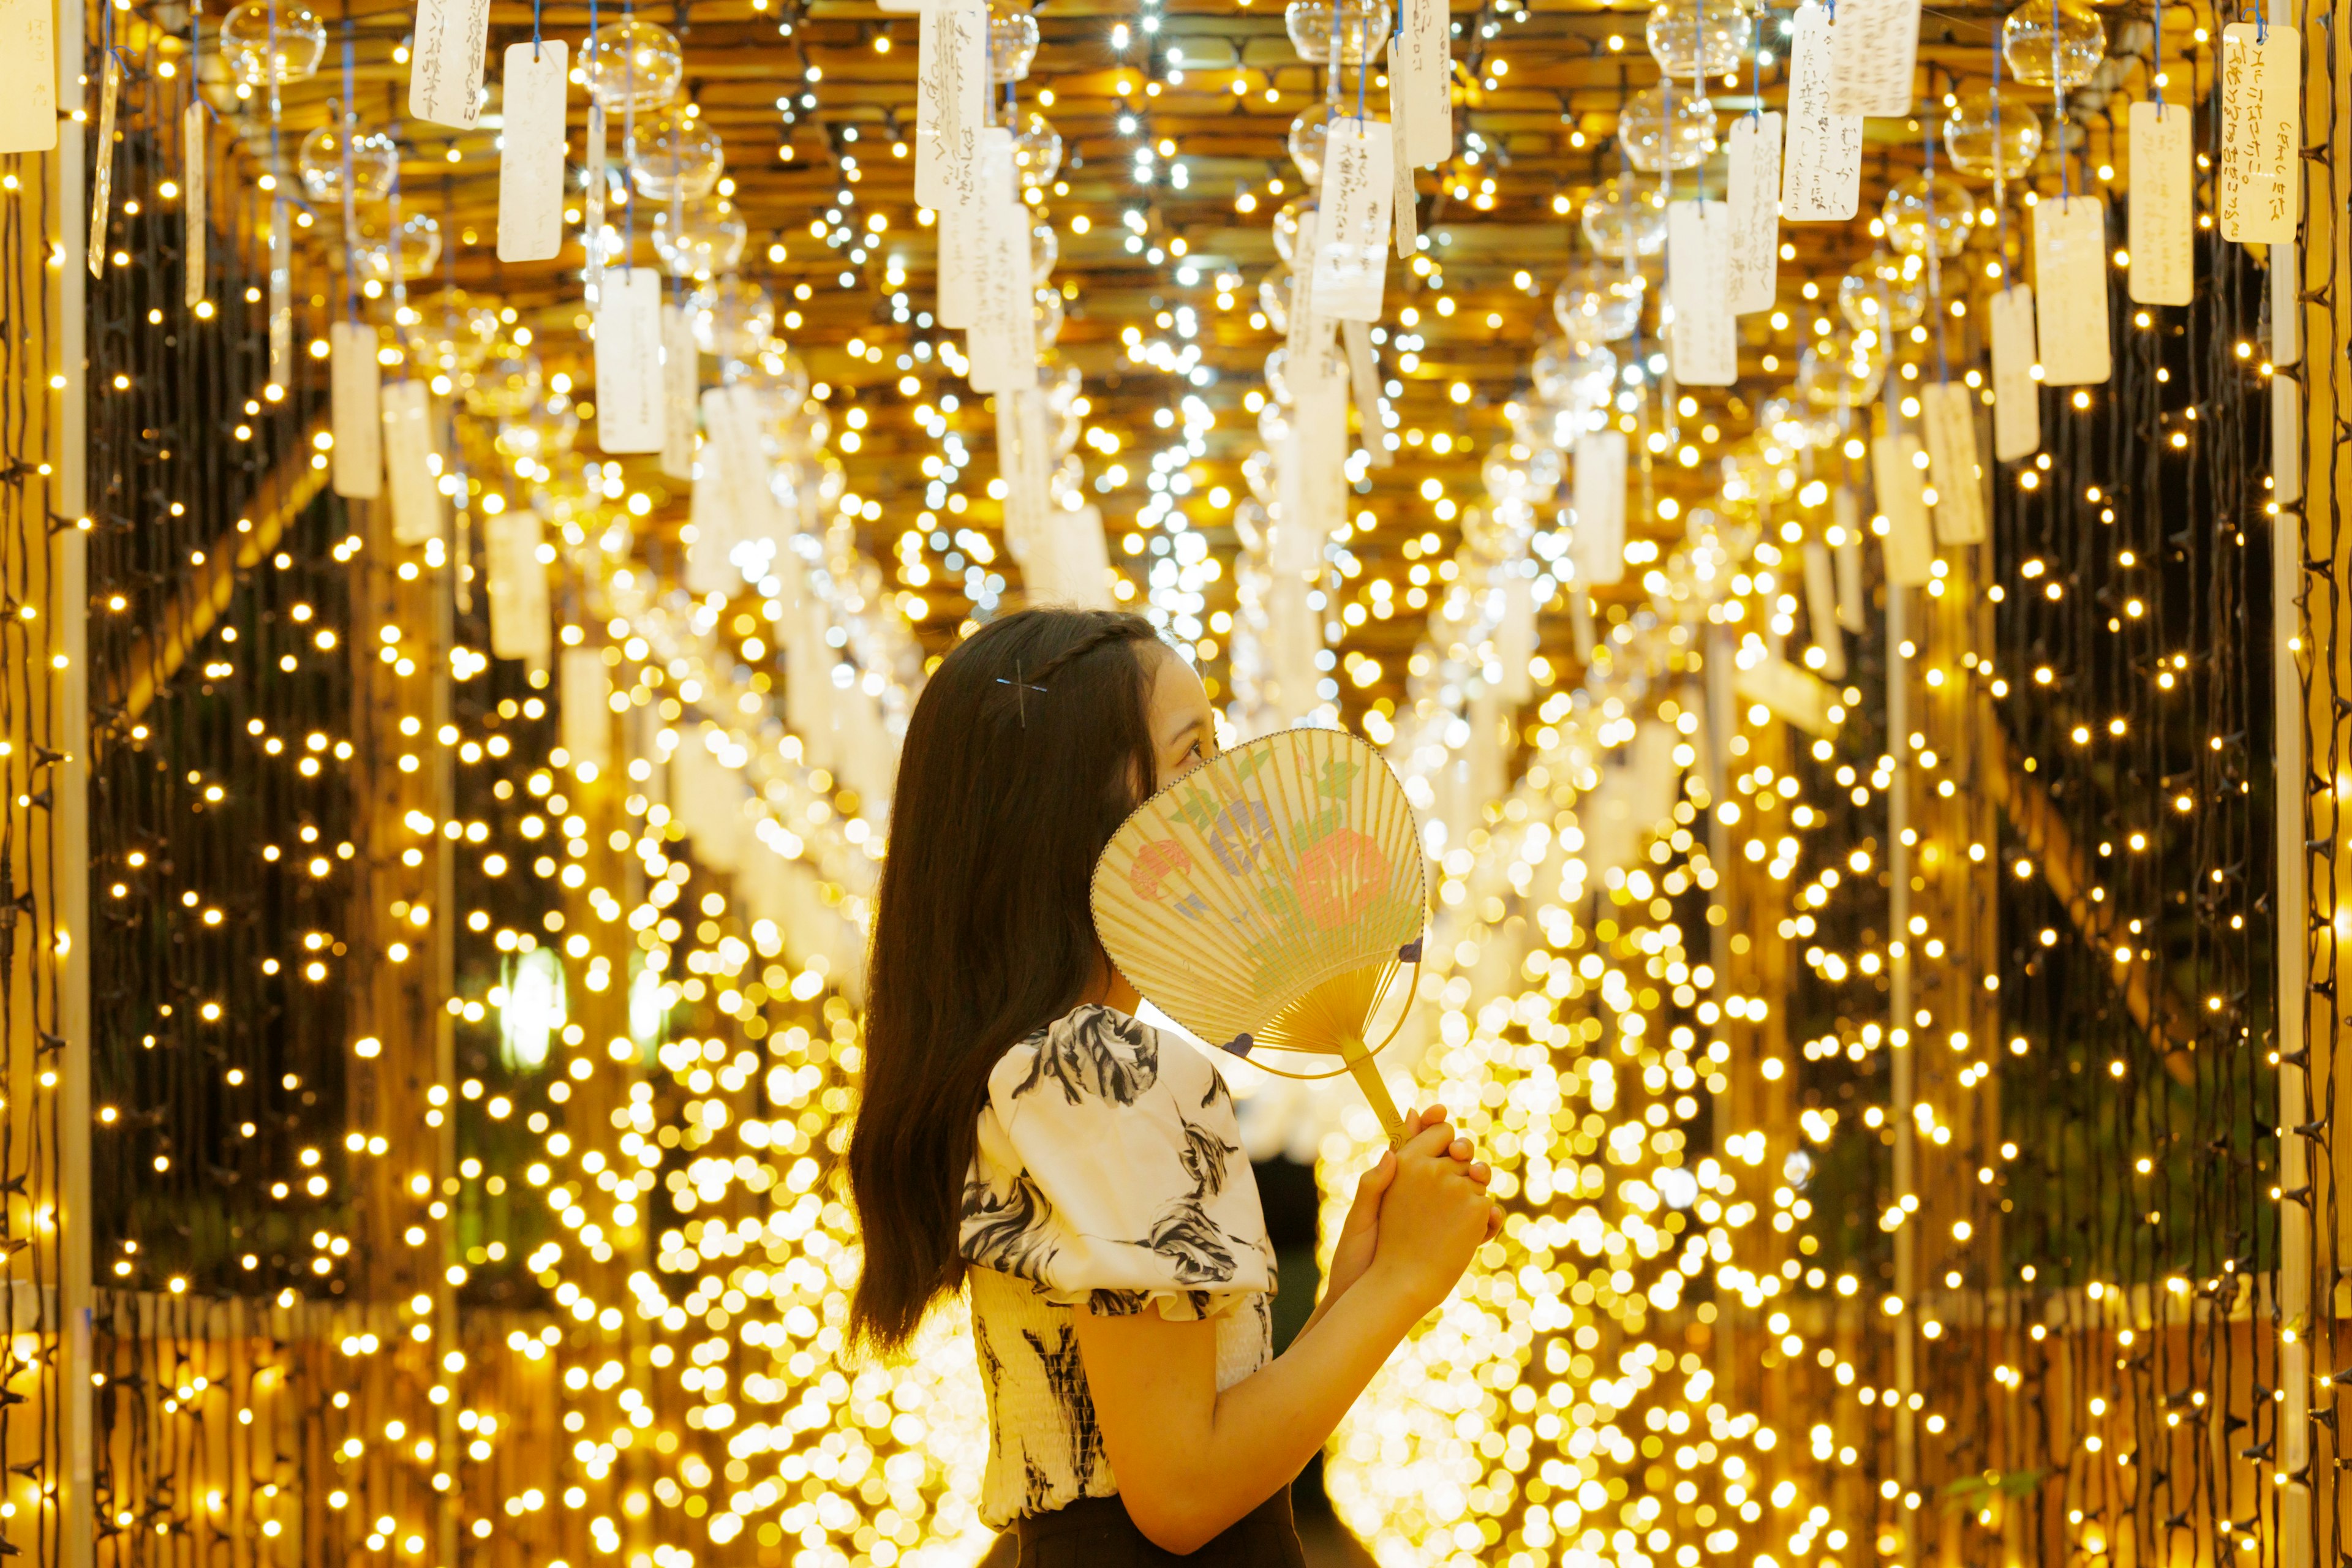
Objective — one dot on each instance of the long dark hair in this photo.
(1028, 749)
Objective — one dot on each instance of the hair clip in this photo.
(1020, 690)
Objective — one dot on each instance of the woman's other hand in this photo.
(1434, 1214)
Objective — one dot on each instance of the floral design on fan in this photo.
(1097, 1052)
(1339, 875)
(1154, 864)
(1012, 1231)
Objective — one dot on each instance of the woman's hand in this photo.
(1434, 1214)
(1360, 1235)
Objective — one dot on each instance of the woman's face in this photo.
(1183, 731)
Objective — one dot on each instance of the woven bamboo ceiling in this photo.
(1216, 86)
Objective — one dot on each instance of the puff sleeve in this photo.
(1109, 1171)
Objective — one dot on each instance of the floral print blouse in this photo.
(1109, 1171)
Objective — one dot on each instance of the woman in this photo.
(1023, 1134)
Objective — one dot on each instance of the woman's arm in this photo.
(1190, 1460)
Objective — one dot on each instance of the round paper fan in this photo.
(1271, 899)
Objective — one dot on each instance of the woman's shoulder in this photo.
(1098, 1055)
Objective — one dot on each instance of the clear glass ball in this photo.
(779, 384)
(418, 250)
(1710, 37)
(1665, 127)
(251, 41)
(1842, 369)
(1989, 137)
(730, 318)
(1294, 231)
(1278, 377)
(1572, 374)
(1048, 311)
(1921, 211)
(676, 155)
(1884, 294)
(1625, 217)
(699, 238)
(1044, 250)
(375, 161)
(449, 334)
(1597, 303)
(541, 436)
(1258, 473)
(1363, 29)
(633, 66)
(2044, 42)
(506, 385)
(1037, 152)
(1273, 300)
(1309, 134)
(1012, 41)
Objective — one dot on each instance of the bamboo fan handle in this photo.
(1376, 1089)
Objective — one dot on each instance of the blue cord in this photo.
(534, 32)
(351, 272)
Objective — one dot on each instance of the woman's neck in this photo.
(1111, 989)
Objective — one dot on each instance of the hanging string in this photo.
(1698, 95)
(2000, 173)
(1364, 64)
(1934, 267)
(1755, 77)
(351, 269)
(2058, 90)
(2156, 61)
(534, 32)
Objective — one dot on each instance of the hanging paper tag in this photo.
(584, 694)
(760, 529)
(680, 362)
(1598, 545)
(410, 464)
(2160, 220)
(950, 101)
(1422, 61)
(1751, 191)
(1002, 341)
(1873, 45)
(1402, 198)
(2286, 441)
(444, 64)
(1845, 539)
(517, 587)
(101, 195)
(1793, 695)
(709, 534)
(1025, 461)
(28, 76)
(1947, 415)
(354, 386)
(530, 152)
(2016, 394)
(1705, 338)
(1364, 384)
(957, 227)
(592, 230)
(1820, 171)
(1351, 221)
(281, 292)
(2259, 196)
(629, 404)
(195, 221)
(1894, 468)
(1821, 609)
(2070, 280)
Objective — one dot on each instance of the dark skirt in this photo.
(1094, 1533)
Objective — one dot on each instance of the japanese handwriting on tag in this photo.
(444, 67)
(530, 152)
(1351, 221)
(2016, 393)
(630, 406)
(1895, 469)
(2259, 196)
(1751, 192)
(1706, 339)
(2070, 280)
(1821, 170)
(1874, 46)
(2162, 219)
(1948, 414)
